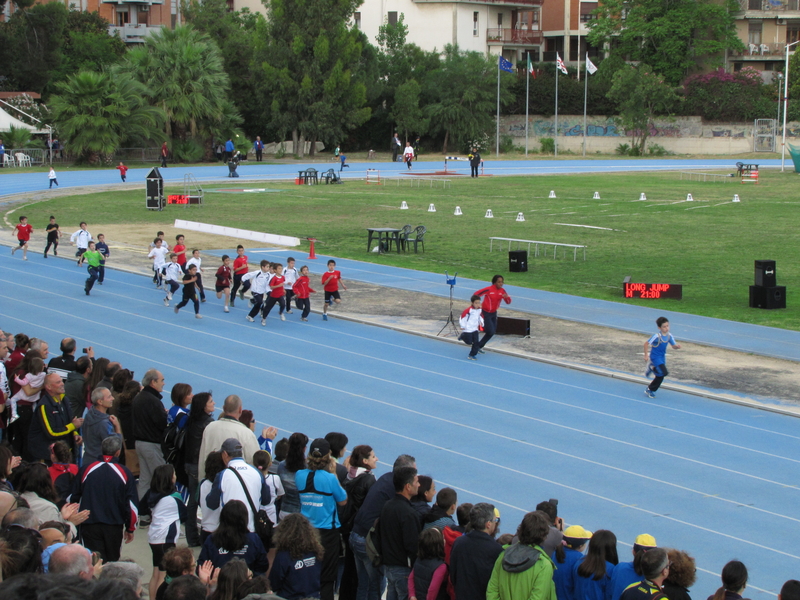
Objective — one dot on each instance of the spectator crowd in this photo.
(91, 457)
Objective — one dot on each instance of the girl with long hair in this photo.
(593, 573)
(167, 512)
(296, 572)
(426, 493)
(230, 577)
(232, 539)
(200, 415)
(734, 581)
(295, 461)
(429, 576)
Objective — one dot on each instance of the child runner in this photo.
(302, 291)
(102, 248)
(655, 355)
(159, 256)
(471, 321)
(160, 235)
(23, 231)
(408, 155)
(276, 294)
(197, 261)
(259, 284)
(172, 275)
(189, 291)
(239, 270)
(52, 177)
(81, 239)
(123, 170)
(223, 284)
(53, 233)
(180, 250)
(492, 295)
(330, 283)
(93, 258)
(291, 275)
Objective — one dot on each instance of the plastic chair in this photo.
(764, 49)
(403, 236)
(419, 235)
(8, 160)
(753, 49)
(330, 176)
(23, 160)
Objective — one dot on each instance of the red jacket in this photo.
(491, 298)
(276, 284)
(301, 288)
(240, 265)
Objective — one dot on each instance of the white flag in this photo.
(590, 66)
(560, 65)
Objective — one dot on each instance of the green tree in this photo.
(465, 88)
(640, 94)
(314, 68)
(407, 112)
(675, 37)
(99, 112)
(183, 72)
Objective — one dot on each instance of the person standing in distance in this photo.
(492, 295)
(474, 162)
(396, 146)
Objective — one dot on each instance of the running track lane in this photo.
(715, 479)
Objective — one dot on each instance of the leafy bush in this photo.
(547, 145)
(623, 150)
(187, 151)
(721, 96)
(657, 150)
(506, 144)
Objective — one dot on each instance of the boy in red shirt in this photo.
(223, 284)
(180, 250)
(123, 170)
(276, 294)
(302, 291)
(330, 283)
(492, 295)
(23, 231)
(239, 270)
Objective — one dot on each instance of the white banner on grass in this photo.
(244, 234)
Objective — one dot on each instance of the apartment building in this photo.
(766, 27)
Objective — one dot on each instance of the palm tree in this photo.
(183, 72)
(97, 112)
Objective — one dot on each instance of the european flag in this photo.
(506, 65)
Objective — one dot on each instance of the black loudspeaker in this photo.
(765, 273)
(509, 326)
(767, 297)
(518, 261)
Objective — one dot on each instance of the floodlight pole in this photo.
(785, 104)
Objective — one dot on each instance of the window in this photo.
(392, 17)
(792, 34)
(123, 16)
(500, 20)
(475, 24)
(754, 5)
(357, 20)
(754, 33)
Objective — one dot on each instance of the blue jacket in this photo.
(564, 574)
(229, 146)
(295, 579)
(587, 588)
(252, 553)
(96, 427)
(108, 490)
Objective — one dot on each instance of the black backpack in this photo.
(174, 442)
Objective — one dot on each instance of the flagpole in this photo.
(585, 99)
(497, 134)
(555, 137)
(527, 94)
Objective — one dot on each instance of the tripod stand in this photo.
(451, 321)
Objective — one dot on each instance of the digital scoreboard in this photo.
(652, 291)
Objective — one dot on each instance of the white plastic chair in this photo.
(764, 49)
(753, 49)
(8, 160)
(23, 160)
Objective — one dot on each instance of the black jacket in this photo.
(357, 490)
(399, 527)
(52, 422)
(471, 562)
(149, 416)
(194, 437)
(75, 393)
(379, 494)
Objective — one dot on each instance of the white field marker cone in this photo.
(736, 198)
(431, 208)
(489, 214)
(689, 198)
(642, 196)
(552, 194)
(596, 196)
(458, 211)
(520, 217)
(403, 205)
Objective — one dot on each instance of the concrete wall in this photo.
(683, 135)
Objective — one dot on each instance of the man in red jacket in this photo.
(491, 297)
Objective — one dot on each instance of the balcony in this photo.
(759, 52)
(133, 34)
(770, 6)
(508, 3)
(511, 37)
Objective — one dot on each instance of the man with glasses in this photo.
(149, 424)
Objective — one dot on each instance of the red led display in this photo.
(652, 291)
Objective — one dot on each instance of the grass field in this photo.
(708, 245)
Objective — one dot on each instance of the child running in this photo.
(276, 294)
(172, 275)
(93, 259)
(330, 283)
(259, 285)
(655, 355)
(123, 171)
(471, 322)
(239, 271)
(105, 253)
(23, 231)
(81, 239)
(291, 275)
(408, 155)
(190, 291)
(197, 261)
(53, 233)
(223, 283)
(302, 291)
(159, 256)
(180, 250)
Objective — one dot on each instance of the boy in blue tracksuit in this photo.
(102, 248)
(655, 355)
(471, 322)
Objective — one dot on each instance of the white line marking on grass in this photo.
(586, 226)
(694, 207)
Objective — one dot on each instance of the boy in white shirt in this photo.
(81, 239)
(471, 321)
(196, 261)
(159, 256)
(173, 275)
(259, 287)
